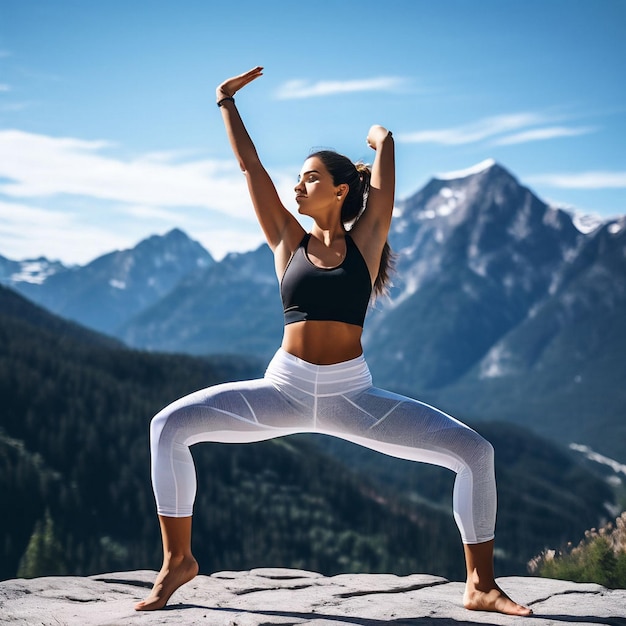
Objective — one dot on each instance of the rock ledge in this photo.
(288, 596)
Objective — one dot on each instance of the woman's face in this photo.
(316, 192)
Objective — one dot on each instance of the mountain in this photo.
(14, 273)
(475, 254)
(231, 307)
(561, 371)
(74, 466)
(22, 315)
(503, 308)
(112, 288)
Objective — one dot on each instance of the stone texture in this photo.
(286, 596)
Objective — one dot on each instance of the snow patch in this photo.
(585, 223)
(590, 454)
(117, 284)
(451, 201)
(477, 262)
(34, 272)
(615, 228)
(497, 363)
(474, 169)
(521, 226)
(551, 218)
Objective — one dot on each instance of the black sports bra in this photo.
(340, 293)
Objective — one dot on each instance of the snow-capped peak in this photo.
(35, 271)
(584, 222)
(474, 169)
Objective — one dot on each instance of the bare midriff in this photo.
(323, 343)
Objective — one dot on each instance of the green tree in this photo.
(600, 558)
(44, 553)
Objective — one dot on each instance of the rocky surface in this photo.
(287, 596)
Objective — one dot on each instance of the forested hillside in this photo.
(74, 463)
(74, 470)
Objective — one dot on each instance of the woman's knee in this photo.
(182, 413)
(481, 449)
(473, 452)
(484, 447)
(168, 419)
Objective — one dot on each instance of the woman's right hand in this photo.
(231, 86)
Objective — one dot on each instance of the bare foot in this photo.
(175, 573)
(493, 599)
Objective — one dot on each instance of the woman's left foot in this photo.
(494, 600)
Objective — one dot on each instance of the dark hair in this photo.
(357, 177)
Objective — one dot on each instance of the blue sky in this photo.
(109, 131)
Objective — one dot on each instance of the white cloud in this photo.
(25, 229)
(219, 242)
(122, 201)
(540, 134)
(152, 213)
(38, 165)
(305, 89)
(14, 213)
(28, 231)
(581, 180)
(68, 199)
(474, 131)
(497, 127)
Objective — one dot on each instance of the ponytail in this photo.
(357, 177)
(385, 270)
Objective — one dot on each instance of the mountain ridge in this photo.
(115, 285)
(495, 288)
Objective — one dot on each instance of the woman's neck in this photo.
(328, 235)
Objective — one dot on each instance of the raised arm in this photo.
(370, 231)
(282, 230)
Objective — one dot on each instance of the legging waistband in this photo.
(287, 370)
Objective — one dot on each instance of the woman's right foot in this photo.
(174, 574)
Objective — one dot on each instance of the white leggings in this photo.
(297, 397)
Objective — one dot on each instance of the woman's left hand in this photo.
(376, 135)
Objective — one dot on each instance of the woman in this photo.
(318, 380)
